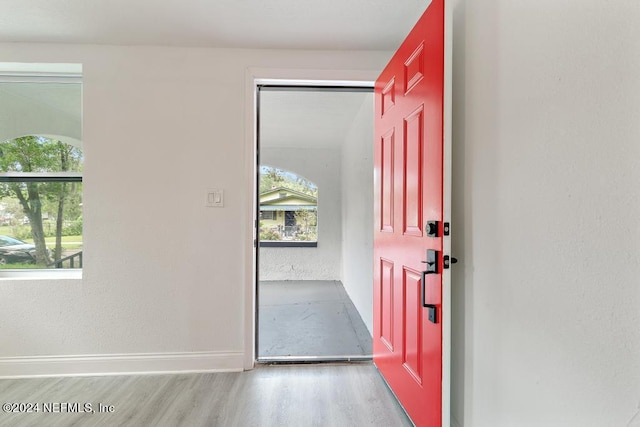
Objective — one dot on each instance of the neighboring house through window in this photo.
(288, 209)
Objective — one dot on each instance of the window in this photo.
(41, 163)
(270, 215)
(288, 209)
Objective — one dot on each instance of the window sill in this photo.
(276, 244)
(50, 274)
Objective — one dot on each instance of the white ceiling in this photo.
(289, 119)
(308, 119)
(286, 24)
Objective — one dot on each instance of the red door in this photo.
(409, 153)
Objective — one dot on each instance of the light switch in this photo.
(215, 198)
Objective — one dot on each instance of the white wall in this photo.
(357, 212)
(322, 166)
(546, 213)
(164, 275)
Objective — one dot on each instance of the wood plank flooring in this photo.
(285, 395)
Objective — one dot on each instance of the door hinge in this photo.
(445, 230)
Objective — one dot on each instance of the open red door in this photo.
(411, 226)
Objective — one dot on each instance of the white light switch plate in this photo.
(215, 198)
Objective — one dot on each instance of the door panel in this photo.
(413, 143)
(387, 181)
(414, 68)
(412, 327)
(386, 303)
(408, 179)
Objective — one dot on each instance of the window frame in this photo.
(271, 217)
(43, 73)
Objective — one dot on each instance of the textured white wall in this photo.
(163, 274)
(546, 213)
(322, 166)
(357, 212)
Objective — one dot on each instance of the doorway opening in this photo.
(314, 228)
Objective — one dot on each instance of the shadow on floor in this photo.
(309, 318)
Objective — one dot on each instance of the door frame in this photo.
(447, 171)
(273, 76)
(325, 86)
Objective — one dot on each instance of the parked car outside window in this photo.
(13, 251)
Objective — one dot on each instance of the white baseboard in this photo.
(116, 364)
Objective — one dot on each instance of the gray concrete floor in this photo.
(309, 318)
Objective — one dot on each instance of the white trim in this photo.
(327, 83)
(41, 274)
(250, 121)
(40, 72)
(292, 77)
(118, 364)
(58, 79)
(38, 175)
(446, 243)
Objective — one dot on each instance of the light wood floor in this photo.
(289, 395)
